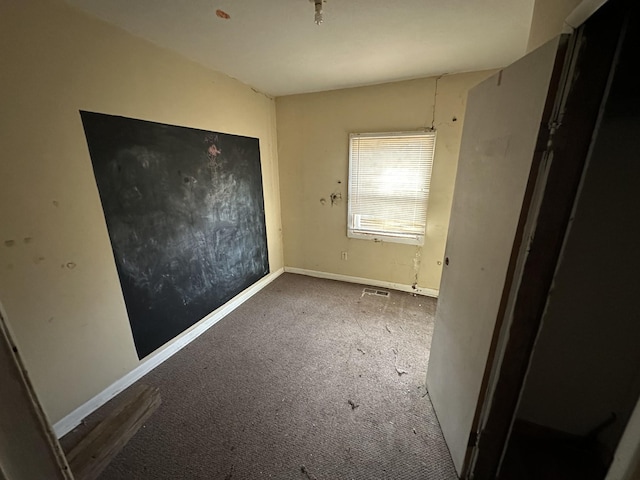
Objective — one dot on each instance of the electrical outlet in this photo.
(345, 256)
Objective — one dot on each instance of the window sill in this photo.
(377, 237)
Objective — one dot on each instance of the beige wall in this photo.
(548, 20)
(313, 146)
(58, 280)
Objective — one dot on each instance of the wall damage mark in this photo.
(416, 267)
(416, 260)
(435, 100)
(9, 243)
(336, 196)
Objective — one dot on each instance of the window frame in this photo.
(398, 237)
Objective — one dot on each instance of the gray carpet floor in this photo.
(309, 379)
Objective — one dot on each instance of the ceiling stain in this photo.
(223, 14)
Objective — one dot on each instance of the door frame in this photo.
(556, 176)
(37, 434)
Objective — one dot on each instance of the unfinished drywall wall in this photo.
(58, 279)
(313, 149)
(586, 363)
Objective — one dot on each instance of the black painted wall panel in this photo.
(185, 214)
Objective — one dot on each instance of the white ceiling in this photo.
(275, 46)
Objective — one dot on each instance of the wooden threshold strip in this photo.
(94, 452)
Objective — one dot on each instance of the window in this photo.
(389, 176)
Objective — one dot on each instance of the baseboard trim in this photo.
(73, 419)
(427, 292)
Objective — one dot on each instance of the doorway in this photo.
(477, 409)
(584, 378)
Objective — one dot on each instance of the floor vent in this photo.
(373, 291)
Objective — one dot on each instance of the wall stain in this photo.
(9, 243)
(39, 259)
(56, 203)
(28, 239)
(416, 267)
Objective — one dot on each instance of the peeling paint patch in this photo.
(71, 265)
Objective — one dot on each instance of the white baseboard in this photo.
(73, 419)
(428, 292)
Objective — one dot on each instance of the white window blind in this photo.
(389, 177)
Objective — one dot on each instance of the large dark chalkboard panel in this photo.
(185, 214)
